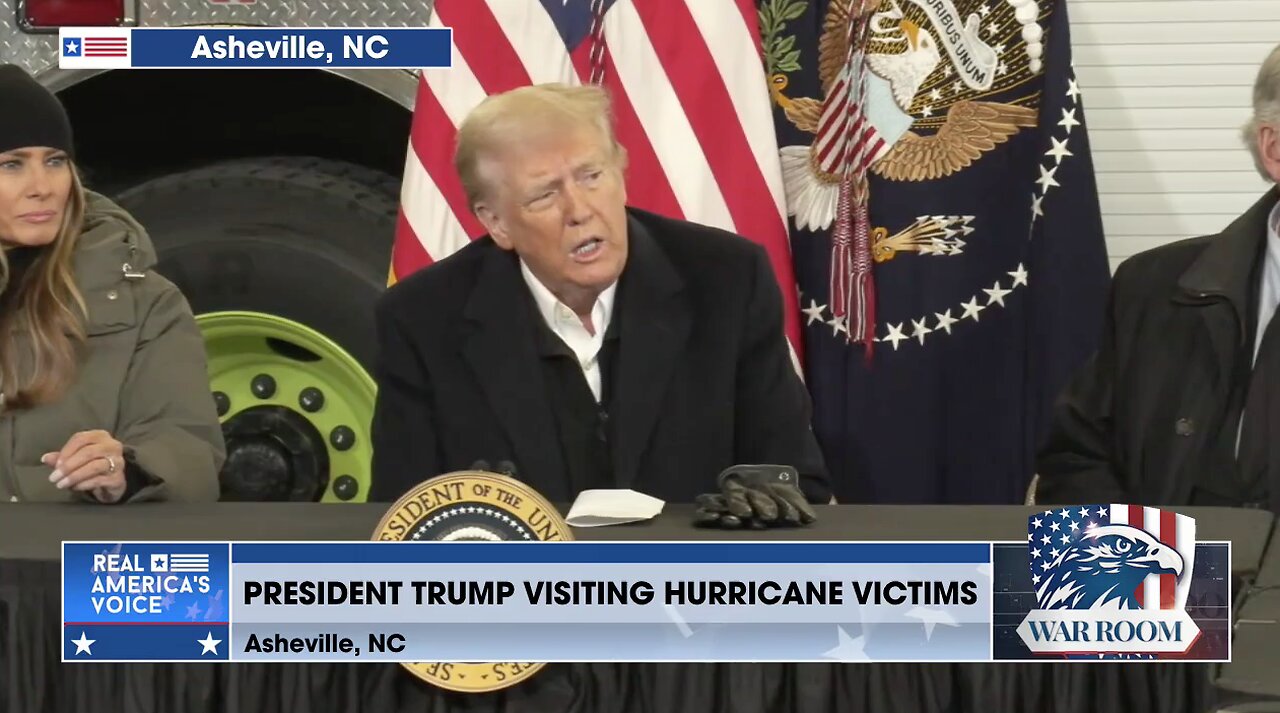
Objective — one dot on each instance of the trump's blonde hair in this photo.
(521, 113)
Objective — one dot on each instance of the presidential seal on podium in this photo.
(472, 506)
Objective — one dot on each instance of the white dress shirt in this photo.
(568, 326)
(1269, 296)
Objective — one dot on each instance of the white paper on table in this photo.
(596, 508)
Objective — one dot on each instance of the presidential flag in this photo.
(946, 231)
(690, 100)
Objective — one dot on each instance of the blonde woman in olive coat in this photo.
(103, 377)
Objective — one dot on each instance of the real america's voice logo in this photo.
(1110, 579)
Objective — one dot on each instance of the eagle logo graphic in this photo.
(1111, 581)
(1110, 558)
(1104, 569)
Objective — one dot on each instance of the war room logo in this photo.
(1110, 579)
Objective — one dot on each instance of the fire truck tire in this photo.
(281, 260)
(306, 239)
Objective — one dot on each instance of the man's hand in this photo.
(91, 461)
(755, 496)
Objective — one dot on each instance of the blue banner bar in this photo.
(140, 642)
(290, 48)
(615, 552)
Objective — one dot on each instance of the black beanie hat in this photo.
(32, 115)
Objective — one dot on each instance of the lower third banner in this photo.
(529, 601)
(1093, 582)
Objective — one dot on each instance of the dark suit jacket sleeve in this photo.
(1077, 462)
(772, 423)
(404, 437)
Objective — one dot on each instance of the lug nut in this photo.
(222, 402)
(342, 438)
(345, 487)
(263, 386)
(311, 399)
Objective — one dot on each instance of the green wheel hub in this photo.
(295, 409)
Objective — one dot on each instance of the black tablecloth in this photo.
(33, 681)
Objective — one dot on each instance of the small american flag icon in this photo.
(91, 46)
(189, 563)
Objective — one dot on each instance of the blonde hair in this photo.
(38, 317)
(1266, 107)
(522, 112)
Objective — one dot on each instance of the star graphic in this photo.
(1035, 579)
(1059, 150)
(985, 10)
(1002, 68)
(1045, 540)
(849, 648)
(1047, 564)
(814, 311)
(1046, 178)
(931, 618)
(72, 47)
(193, 611)
(83, 644)
(1073, 89)
(971, 309)
(1019, 278)
(1069, 119)
(1066, 539)
(209, 644)
(1037, 205)
(1035, 553)
(935, 95)
(999, 49)
(993, 28)
(996, 294)
(927, 111)
(1074, 526)
(1054, 526)
(1053, 554)
(1065, 513)
(945, 320)
(1084, 512)
(838, 325)
(1036, 523)
(895, 335)
(1102, 512)
(919, 330)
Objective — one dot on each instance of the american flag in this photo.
(106, 47)
(691, 106)
(1056, 540)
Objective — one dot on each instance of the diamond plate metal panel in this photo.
(38, 53)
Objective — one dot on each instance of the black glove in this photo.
(755, 496)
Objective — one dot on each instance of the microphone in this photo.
(481, 465)
(506, 467)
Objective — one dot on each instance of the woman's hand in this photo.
(90, 461)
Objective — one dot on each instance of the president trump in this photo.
(588, 343)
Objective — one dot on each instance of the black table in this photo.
(1258, 629)
(33, 681)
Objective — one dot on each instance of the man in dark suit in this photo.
(590, 344)
(1181, 405)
